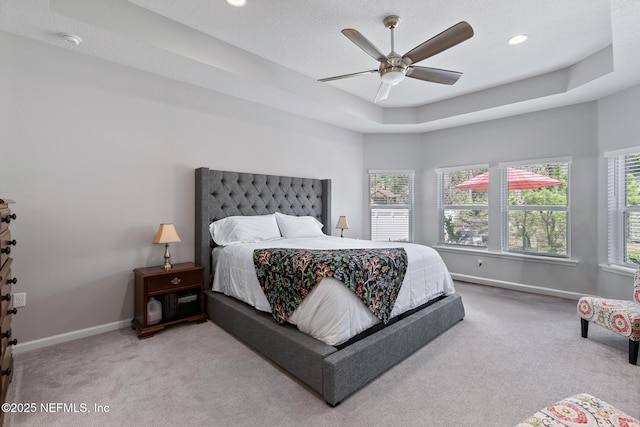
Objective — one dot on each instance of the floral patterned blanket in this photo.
(286, 276)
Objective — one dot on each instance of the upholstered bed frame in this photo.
(332, 372)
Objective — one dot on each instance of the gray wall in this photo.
(97, 155)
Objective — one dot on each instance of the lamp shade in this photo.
(166, 234)
(342, 223)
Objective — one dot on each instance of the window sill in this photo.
(504, 255)
(618, 269)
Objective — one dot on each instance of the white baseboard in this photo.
(517, 286)
(70, 336)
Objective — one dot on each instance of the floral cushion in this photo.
(620, 316)
(580, 410)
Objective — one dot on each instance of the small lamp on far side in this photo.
(166, 234)
(342, 225)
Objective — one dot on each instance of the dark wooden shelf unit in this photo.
(156, 282)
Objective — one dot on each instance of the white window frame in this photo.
(617, 207)
(505, 208)
(441, 206)
(409, 206)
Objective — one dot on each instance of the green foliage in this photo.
(466, 226)
(633, 190)
(451, 235)
(539, 229)
(633, 256)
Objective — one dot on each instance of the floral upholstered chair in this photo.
(620, 316)
(580, 410)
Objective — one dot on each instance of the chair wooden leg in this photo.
(633, 352)
(584, 326)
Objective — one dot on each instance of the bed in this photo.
(334, 371)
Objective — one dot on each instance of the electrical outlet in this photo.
(480, 262)
(20, 299)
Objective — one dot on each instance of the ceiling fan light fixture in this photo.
(392, 75)
(237, 3)
(518, 38)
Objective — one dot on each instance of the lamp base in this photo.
(167, 265)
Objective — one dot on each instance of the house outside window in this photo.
(391, 205)
(535, 207)
(463, 206)
(623, 207)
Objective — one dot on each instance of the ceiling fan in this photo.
(394, 68)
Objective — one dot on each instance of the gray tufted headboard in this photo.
(220, 194)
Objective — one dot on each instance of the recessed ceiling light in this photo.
(71, 38)
(518, 38)
(237, 3)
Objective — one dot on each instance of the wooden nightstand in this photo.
(184, 282)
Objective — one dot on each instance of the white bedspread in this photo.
(331, 312)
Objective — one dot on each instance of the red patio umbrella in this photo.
(519, 179)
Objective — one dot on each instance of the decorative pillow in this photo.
(244, 229)
(298, 226)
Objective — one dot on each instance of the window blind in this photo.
(623, 207)
(534, 198)
(391, 205)
(463, 208)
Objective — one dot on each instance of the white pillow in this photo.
(244, 229)
(298, 226)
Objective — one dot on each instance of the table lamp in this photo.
(166, 234)
(342, 224)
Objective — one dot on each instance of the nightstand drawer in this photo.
(174, 281)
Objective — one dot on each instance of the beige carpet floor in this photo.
(512, 354)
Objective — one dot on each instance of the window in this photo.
(535, 208)
(391, 205)
(463, 205)
(623, 194)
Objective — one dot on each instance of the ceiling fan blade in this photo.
(434, 75)
(363, 43)
(383, 91)
(443, 41)
(344, 76)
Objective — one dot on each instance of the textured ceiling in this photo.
(273, 52)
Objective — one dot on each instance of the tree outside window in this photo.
(537, 219)
(464, 213)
